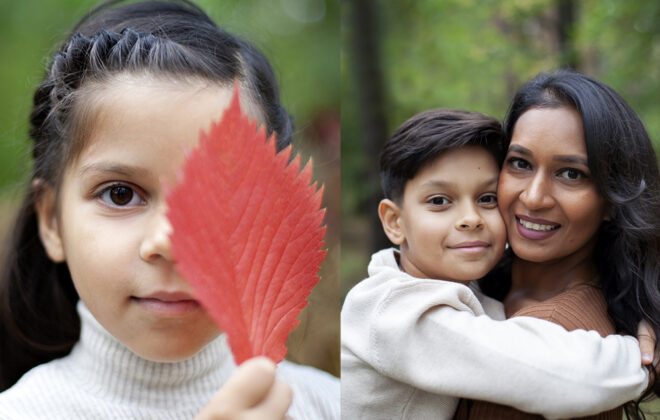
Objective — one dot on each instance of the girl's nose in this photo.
(536, 195)
(156, 242)
(469, 219)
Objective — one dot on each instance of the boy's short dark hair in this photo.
(420, 139)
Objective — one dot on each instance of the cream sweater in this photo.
(411, 347)
(103, 379)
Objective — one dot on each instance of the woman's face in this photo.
(548, 200)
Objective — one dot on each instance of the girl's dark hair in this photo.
(38, 319)
(624, 168)
(423, 137)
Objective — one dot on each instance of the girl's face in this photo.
(108, 221)
(549, 202)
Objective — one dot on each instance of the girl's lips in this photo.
(167, 304)
(535, 229)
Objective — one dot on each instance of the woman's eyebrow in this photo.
(115, 168)
(570, 159)
(516, 148)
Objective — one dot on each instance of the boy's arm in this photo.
(433, 335)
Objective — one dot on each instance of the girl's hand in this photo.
(251, 393)
(647, 340)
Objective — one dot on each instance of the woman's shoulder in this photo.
(315, 392)
(579, 307)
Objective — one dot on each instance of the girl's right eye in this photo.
(519, 163)
(119, 195)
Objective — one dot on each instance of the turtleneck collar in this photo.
(109, 369)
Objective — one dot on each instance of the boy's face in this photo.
(448, 225)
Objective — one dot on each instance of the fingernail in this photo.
(646, 358)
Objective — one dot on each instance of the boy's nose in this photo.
(470, 219)
(156, 243)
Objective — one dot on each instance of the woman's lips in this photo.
(535, 229)
(168, 303)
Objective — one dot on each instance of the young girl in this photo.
(89, 279)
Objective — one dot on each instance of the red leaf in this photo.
(247, 234)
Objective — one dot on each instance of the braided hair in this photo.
(175, 39)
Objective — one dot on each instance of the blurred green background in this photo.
(402, 57)
(300, 38)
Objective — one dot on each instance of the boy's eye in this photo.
(518, 163)
(488, 200)
(439, 201)
(572, 174)
(120, 196)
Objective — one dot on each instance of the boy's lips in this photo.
(168, 303)
(470, 247)
(535, 229)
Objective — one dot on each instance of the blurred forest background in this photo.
(402, 57)
(301, 40)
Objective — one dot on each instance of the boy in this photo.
(413, 336)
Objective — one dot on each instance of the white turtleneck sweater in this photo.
(102, 379)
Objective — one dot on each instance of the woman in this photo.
(579, 192)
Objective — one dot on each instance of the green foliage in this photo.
(298, 36)
(475, 54)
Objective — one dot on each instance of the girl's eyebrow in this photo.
(115, 168)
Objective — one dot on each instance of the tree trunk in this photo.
(365, 47)
(566, 11)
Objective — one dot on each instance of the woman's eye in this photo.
(518, 163)
(572, 174)
(488, 200)
(121, 196)
(439, 201)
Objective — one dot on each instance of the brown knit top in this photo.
(579, 307)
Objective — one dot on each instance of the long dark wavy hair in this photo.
(624, 168)
(38, 319)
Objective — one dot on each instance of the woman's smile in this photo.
(535, 229)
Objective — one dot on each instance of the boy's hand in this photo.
(251, 393)
(647, 338)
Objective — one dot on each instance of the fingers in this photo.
(276, 404)
(647, 339)
(251, 393)
(251, 382)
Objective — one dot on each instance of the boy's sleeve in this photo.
(434, 336)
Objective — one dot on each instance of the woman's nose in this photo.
(470, 218)
(156, 242)
(537, 194)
